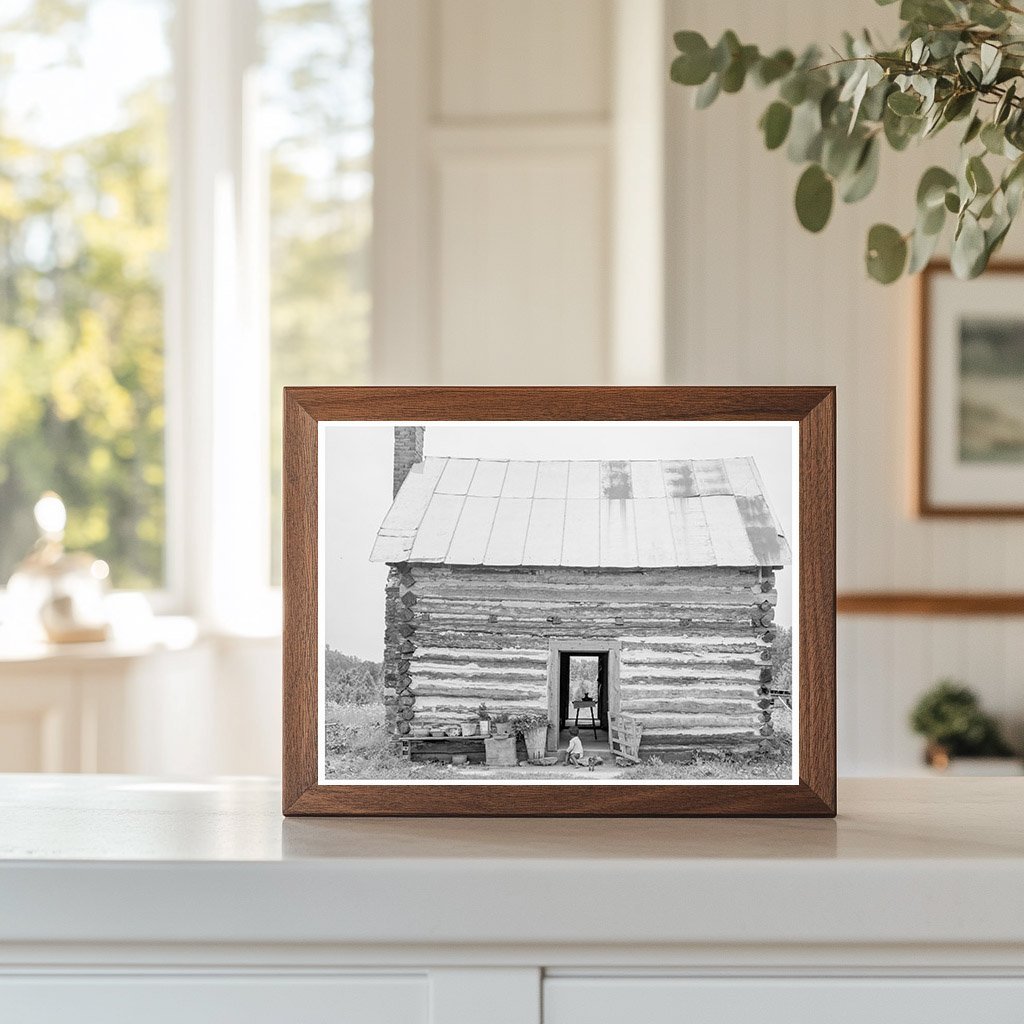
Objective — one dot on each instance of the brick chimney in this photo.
(408, 451)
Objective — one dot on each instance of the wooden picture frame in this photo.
(926, 503)
(810, 409)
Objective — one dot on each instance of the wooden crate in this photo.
(624, 732)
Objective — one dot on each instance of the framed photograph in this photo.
(559, 601)
(970, 451)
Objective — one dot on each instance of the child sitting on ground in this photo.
(574, 755)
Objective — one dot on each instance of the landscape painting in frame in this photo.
(544, 603)
(972, 393)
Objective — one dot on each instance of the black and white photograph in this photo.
(578, 602)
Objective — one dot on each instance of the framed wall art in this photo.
(970, 445)
(559, 601)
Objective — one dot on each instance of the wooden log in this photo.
(408, 599)
(403, 727)
(693, 723)
(683, 706)
(765, 675)
(689, 690)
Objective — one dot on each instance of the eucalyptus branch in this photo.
(955, 61)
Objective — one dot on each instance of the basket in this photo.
(624, 733)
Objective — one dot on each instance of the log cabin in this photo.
(502, 572)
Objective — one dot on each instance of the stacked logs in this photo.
(762, 617)
(399, 633)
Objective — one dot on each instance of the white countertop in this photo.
(122, 859)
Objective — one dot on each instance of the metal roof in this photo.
(608, 514)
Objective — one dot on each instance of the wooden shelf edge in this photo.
(926, 602)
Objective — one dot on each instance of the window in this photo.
(185, 220)
(317, 89)
(83, 235)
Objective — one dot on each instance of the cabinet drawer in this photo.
(202, 999)
(672, 1000)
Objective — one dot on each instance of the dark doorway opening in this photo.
(583, 695)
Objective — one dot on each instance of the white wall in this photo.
(754, 299)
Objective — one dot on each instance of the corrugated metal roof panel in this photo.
(613, 513)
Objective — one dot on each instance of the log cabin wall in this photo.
(694, 655)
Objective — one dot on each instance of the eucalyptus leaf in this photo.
(904, 103)
(922, 248)
(978, 176)
(707, 93)
(814, 195)
(955, 60)
(993, 138)
(771, 69)
(865, 174)
(973, 130)
(805, 133)
(886, 253)
(775, 124)
(968, 248)
(931, 190)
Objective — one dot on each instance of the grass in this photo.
(358, 747)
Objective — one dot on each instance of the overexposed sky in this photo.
(357, 468)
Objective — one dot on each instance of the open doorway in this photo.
(583, 697)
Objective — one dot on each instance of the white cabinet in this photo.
(127, 899)
(827, 1000)
(202, 999)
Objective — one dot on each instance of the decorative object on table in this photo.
(955, 62)
(500, 724)
(970, 444)
(645, 532)
(533, 727)
(950, 717)
(470, 728)
(58, 593)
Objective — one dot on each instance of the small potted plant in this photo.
(500, 723)
(470, 728)
(484, 717)
(533, 727)
(950, 718)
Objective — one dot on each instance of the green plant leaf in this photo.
(707, 93)
(771, 69)
(993, 138)
(865, 173)
(735, 74)
(794, 89)
(987, 15)
(805, 133)
(968, 255)
(775, 122)
(931, 191)
(725, 49)
(904, 103)
(693, 65)
(886, 253)
(978, 176)
(952, 202)
(922, 247)
(814, 194)
(973, 130)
